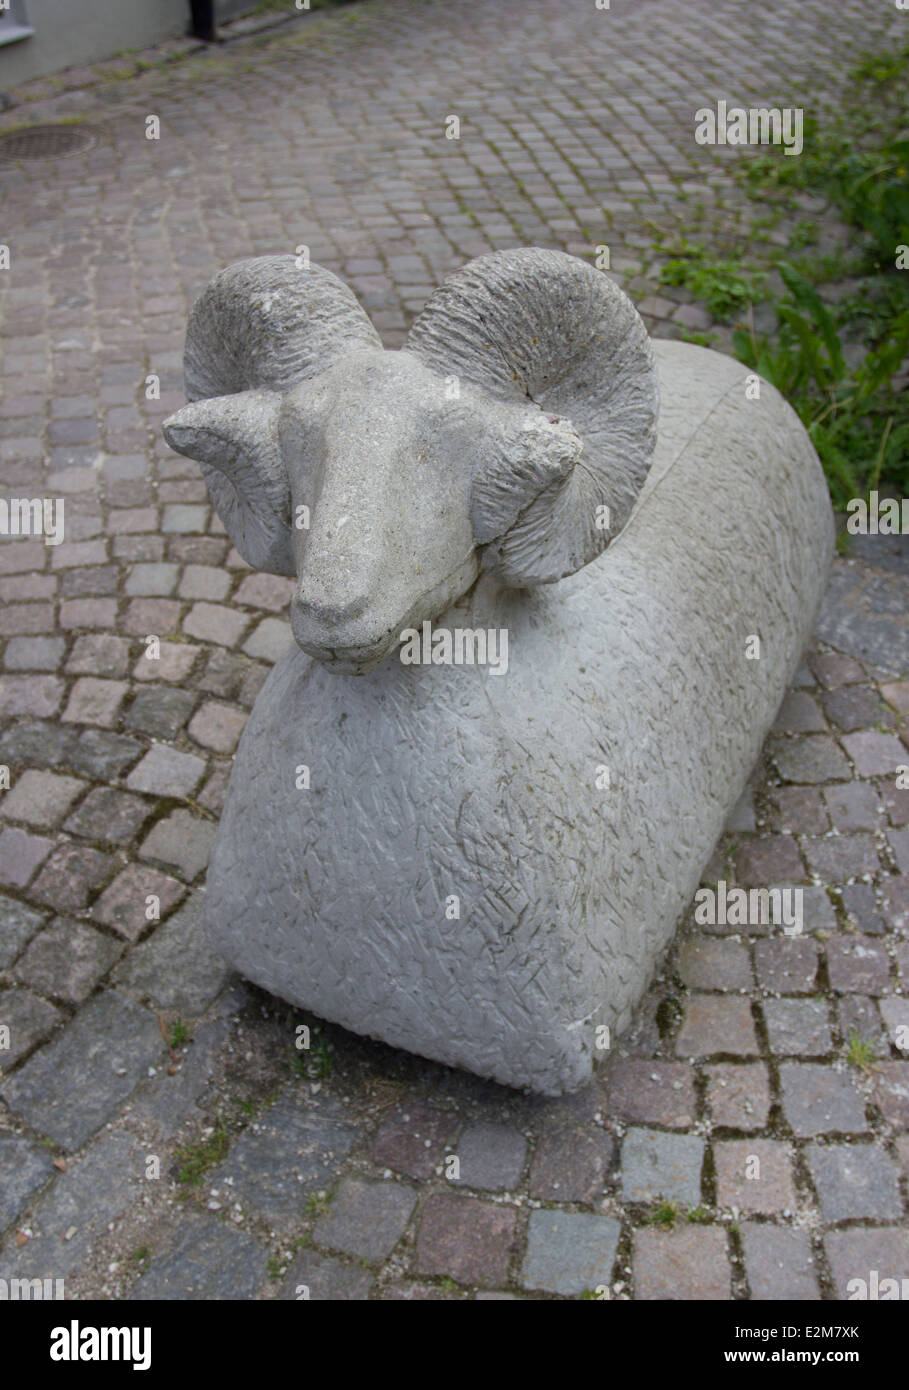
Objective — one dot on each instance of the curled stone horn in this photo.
(544, 328)
(261, 327)
(265, 322)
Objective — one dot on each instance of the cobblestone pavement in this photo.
(225, 1162)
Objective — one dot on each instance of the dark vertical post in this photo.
(202, 20)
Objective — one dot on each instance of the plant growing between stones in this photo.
(722, 284)
(860, 1053)
(194, 1160)
(665, 1214)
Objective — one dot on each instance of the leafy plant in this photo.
(860, 1053)
(723, 286)
(857, 423)
(664, 1214)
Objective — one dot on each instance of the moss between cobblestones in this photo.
(193, 1161)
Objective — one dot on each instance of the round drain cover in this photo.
(45, 142)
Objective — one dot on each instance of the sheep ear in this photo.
(236, 442)
(523, 507)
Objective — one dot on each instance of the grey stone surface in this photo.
(859, 1017)
(284, 893)
(689, 1262)
(572, 1165)
(70, 1088)
(661, 1165)
(568, 1252)
(860, 1254)
(324, 1278)
(291, 1151)
(166, 771)
(779, 1263)
(67, 959)
(798, 1026)
(24, 1168)
(862, 610)
(29, 1020)
(855, 1181)
(491, 1157)
(73, 1213)
(183, 840)
(18, 924)
(176, 968)
(817, 1100)
(208, 1260)
(814, 758)
(166, 1100)
(366, 1219)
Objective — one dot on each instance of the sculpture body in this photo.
(484, 867)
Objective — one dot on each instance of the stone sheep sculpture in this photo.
(482, 863)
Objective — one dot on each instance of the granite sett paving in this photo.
(131, 656)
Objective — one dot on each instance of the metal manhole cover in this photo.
(45, 142)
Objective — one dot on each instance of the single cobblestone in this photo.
(855, 1181)
(572, 1166)
(755, 1176)
(817, 1100)
(491, 1157)
(661, 1165)
(182, 841)
(798, 1027)
(891, 1092)
(688, 1263)
(779, 1263)
(316, 1277)
(858, 965)
(651, 1092)
(135, 899)
(715, 1025)
(208, 1260)
(108, 814)
(568, 1252)
(67, 960)
(175, 968)
(738, 1096)
(366, 1219)
(412, 1139)
(465, 1239)
(165, 771)
(854, 1254)
(19, 926)
(810, 759)
(786, 965)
